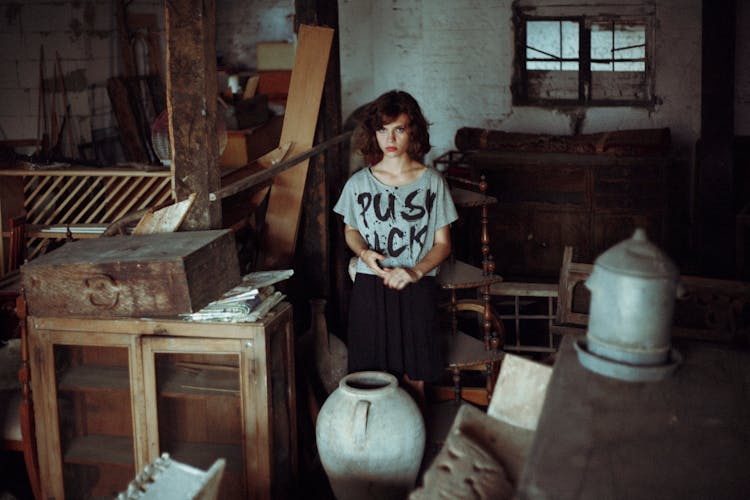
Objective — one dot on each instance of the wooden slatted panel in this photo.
(61, 198)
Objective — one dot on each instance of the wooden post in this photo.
(191, 103)
(714, 224)
(322, 236)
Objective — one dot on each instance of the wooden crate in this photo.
(133, 276)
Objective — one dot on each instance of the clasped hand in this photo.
(396, 278)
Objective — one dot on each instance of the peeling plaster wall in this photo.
(456, 57)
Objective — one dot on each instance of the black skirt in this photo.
(396, 331)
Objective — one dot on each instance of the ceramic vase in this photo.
(371, 438)
(331, 355)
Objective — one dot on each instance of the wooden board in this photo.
(300, 119)
(165, 220)
(131, 276)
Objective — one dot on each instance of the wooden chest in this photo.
(133, 276)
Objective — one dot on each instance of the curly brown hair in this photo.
(384, 110)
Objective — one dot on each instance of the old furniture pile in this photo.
(120, 378)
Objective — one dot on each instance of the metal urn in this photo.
(633, 288)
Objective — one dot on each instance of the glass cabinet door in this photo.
(194, 405)
(95, 419)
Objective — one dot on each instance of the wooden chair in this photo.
(573, 297)
(714, 310)
(16, 409)
(464, 352)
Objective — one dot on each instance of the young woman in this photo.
(397, 214)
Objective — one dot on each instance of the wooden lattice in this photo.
(74, 201)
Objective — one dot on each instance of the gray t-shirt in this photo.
(398, 222)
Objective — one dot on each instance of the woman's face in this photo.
(393, 137)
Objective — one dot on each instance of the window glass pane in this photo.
(630, 66)
(615, 42)
(570, 40)
(542, 39)
(630, 41)
(601, 66)
(548, 41)
(544, 65)
(601, 42)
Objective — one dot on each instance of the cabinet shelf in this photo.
(95, 378)
(185, 381)
(99, 450)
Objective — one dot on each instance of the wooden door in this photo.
(196, 406)
(89, 425)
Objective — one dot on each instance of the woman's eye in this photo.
(401, 130)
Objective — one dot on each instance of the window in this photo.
(580, 60)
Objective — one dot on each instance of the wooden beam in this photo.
(191, 103)
(714, 213)
(264, 175)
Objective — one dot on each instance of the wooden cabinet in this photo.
(547, 201)
(112, 395)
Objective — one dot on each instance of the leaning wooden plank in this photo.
(300, 118)
(165, 220)
(127, 123)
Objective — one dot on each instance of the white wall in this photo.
(456, 58)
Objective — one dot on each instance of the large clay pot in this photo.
(331, 355)
(321, 350)
(371, 438)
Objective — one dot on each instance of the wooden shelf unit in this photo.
(117, 393)
(548, 200)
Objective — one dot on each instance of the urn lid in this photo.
(637, 256)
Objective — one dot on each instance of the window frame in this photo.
(520, 82)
